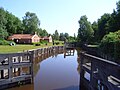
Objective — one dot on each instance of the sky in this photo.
(61, 15)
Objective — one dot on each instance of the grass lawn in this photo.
(19, 48)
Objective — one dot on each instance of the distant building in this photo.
(28, 38)
(47, 38)
(24, 38)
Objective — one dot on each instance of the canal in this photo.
(58, 71)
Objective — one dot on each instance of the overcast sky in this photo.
(61, 15)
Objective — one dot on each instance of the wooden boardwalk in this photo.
(17, 68)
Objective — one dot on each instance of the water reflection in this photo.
(55, 71)
(69, 52)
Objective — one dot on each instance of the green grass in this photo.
(17, 48)
(20, 48)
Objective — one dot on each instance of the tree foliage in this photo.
(14, 24)
(107, 23)
(56, 35)
(10, 24)
(62, 37)
(66, 35)
(3, 33)
(31, 23)
(3, 21)
(102, 26)
(85, 31)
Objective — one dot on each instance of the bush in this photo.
(110, 44)
(57, 43)
(4, 42)
(36, 44)
(44, 42)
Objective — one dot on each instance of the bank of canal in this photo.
(56, 72)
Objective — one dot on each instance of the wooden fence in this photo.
(98, 74)
(17, 68)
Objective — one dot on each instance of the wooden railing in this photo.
(12, 66)
(101, 73)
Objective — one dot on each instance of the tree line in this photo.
(94, 32)
(105, 32)
(30, 23)
(10, 24)
(64, 37)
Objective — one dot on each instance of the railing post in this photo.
(31, 55)
(2, 74)
(10, 67)
(82, 72)
(93, 81)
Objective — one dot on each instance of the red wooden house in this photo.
(28, 38)
(24, 38)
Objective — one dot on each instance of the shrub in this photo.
(110, 44)
(57, 43)
(3, 42)
(43, 42)
(36, 44)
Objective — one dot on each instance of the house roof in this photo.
(46, 37)
(20, 36)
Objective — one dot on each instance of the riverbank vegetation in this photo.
(105, 32)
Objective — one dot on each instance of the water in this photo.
(55, 73)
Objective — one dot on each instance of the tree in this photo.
(42, 32)
(113, 26)
(71, 39)
(95, 29)
(45, 33)
(3, 21)
(103, 26)
(85, 32)
(114, 21)
(56, 35)
(3, 33)
(118, 6)
(31, 23)
(75, 37)
(66, 35)
(14, 24)
(62, 37)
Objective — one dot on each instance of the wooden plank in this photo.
(2, 67)
(18, 65)
(14, 79)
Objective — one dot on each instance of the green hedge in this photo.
(40, 43)
(110, 45)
